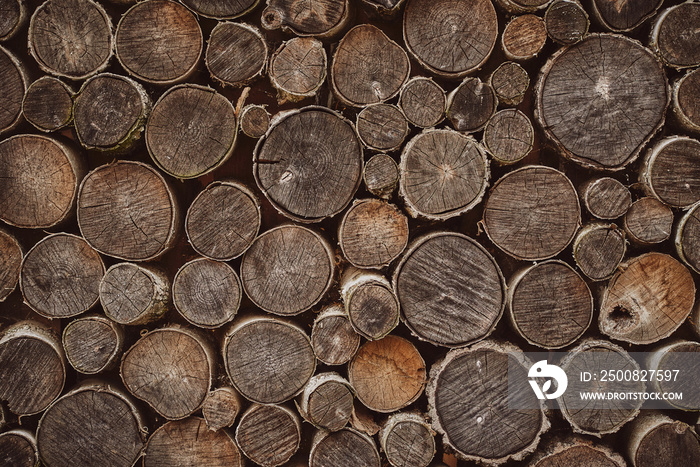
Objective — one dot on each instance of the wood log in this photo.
(523, 37)
(269, 361)
(333, 339)
(93, 343)
(384, 8)
(254, 120)
(522, 6)
(269, 435)
(407, 440)
(605, 198)
(159, 42)
(549, 304)
(647, 299)
(318, 18)
(60, 276)
(368, 67)
(432, 307)
(32, 367)
(373, 233)
(382, 127)
(455, 163)
(128, 211)
(670, 171)
(48, 104)
(18, 449)
(298, 69)
(218, 9)
(314, 151)
(471, 104)
(468, 404)
(344, 447)
(509, 136)
(287, 269)
(566, 21)
(678, 355)
(510, 82)
(450, 38)
(171, 369)
(370, 303)
(207, 293)
(71, 38)
(687, 238)
(599, 249)
(532, 213)
(576, 451)
(13, 79)
(686, 105)
(10, 263)
(624, 16)
(674, 38)
(648, 221)
(327, 401)
(236, 53)
(221, 407)
(14, 14)
(423, 102)
(387, 374)
(188, 442)
(655, 440)
(134, 294)
(586, 98)
(381, 175)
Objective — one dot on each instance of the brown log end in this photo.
(381, 175)
(134, 294)
(327, 401)
(298, 68)
(523, 37)
(599, 249)
(671, 35)
(10, 263)
(670, 171)
(606, 198)
(648, 221)
(221, 407)
(510, 82)
(254, 120)
(217, 9)
(344, 447)
(423, 102)
(471, 105)
(566, 21)
(48, 104)
(382, 127)
(334, 340)
(509, 136)
(269, 435)
(92, 344)
(18, 448)
(236, 53)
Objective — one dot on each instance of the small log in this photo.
(566, 21)
(48, 104)
(382, 127)
(606, 198)
(221, 407)
(13, 78)
(448, 38)
(387, 374)
(61, 276)
(269, 361)
(686, 104)
(471, 105)
(128, 211)
(522, 6)
(647, 300)
(327, 401)
(254, 120)
(576, 83)
(368, 67)
(18, 449)
(432, 307)
(298, 69)
(532, 213)
(679, 355)
(674, 38)
(170, 369)
(599, 249)
(510, 82)
(287, 269)
(509, 136)
(314, 151)
(188, 442)
(381, 175)
(549, 304)
(576, 451)
(384, 8)
(345, 447)
(269, 435)
(670, 171)
(468, 404)
(407, 440)
(648, 221)
(236, 53)
(32, 367)
(10, 263)
(318, 18)
(373, 233)
(92, 344)
(134, 294)
(370, 303)
(655, 440)
(14, 14)
(71, 38)
(423, 102)
(207, 293)
(624, 16)
(687, 238)
(159, 42)
(333, 339)
(446, 160)
(524, 37)
(218, 9)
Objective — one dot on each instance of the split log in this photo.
(318, 18)
(510, 82)
(370, 303)
(509, 136)
(14, 14)
(687, 238)
(599, 249)
(407, 440)
(314, 151)
(32, 367)
(298, 69)
(34, 169)
(606, 198)
(71, 38)
(566, 21)
(432, 307)
(61, 276)
(236, 53)
(92, 344)
(327, 401)
(134, 294)
(382, 127)
(423, 102)
(686, 104)
(128, 211)
(387, 374)
(679, 355)
(523, 37)
(10, 263)
(671, 172)
(674, 38)
(218, 9)
(576, 451)
(18, 449)
(13, 79)
(159, 42)
(207, 293)
(447, 161)
(269, 435)
(450, 38)
(287, 269)
(269, 361)
(605, 81)
(647, 300)
(221, 407)
(655, 440)
(532, 213)
(471, 105)
(368, 67)
(549, 304)
(373, 233)
(648, 221)
(333, 339)
(48, 104)
(468, 403)
(171, 369)
(626, 15)
(188, 442)
(381, 175)
(255, 121)
(344, 447)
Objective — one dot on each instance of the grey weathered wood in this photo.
(298, 69)
(221, 407)
(566, 21)
(423, 102)
(605, 198)
(674, 38)
(18, 448)
(576, 451)
(269, 435)
(134, 294)
(382, 127)
(648, 221)
(687, 238)
(624, 15)
(14, 14)
(677, 355)
(345, 447)
(48, 104)
(599, 249)
(686, 103)
(14, 81)
(509, 136)
(370, 302)
(381, 175)
(471, 104)
(407, 440)
(327, 401)
(670, 171)
(236, 53)
(92, 344)
(10, 263)
(221, 9)
(254, 120)
(318, 18)
(333, 339)
(655, 440)
(510, 82)
(523, 37)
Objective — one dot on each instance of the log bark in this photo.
(677, 355)
(370, 303)
(218, 9)
(221, 407)
(382, 127)
(407, 440)
(298, 69)
(656, 440)
(14, 14)
(674, 38)
(687, 238)
(159, 42)
(48, 104)
(423, 102)
(134, 294)
(510, 82)
(605, 198)
(509, 136)
(92, 344)
(648, 221)
(269, 435)
(566, 21)
(254, 120)
(576, 451)
(333, 339)
(670, 171)
(471, 104)
(523, 37)
(686, 103)
(599, 249)
(10, 263)
(626, 15)
(432, 307)
(18, 448)
(344, 447)
(381, 175)
(318, 18)
(236, 53)
(327, 401)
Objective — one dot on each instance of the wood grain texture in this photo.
(522, 6)
(686, 103)
(333, 339)
(407, 440)
(344, 447)
(624, 15)
(566, 21)
(510, 82)
(236, 53)
(298, 68)
(687, 238)
(134, 294)
(48, 104)
(599, 249)
(509, 136)
(92, 343)
(648, 221)
(606, 198)
(656, 440)
(14, 83)
(381, 175)
(523, 37)
(678, 354)
(423, 102)
(254, 120)
(382, 127)
(370, 303)
(14, 14)
(670, 171)
(576, 451)
(10, 263)
(221, 407)
(327, 401)
(318, 18)
(221, 9)
(471, 104)
(18, 448)
(269, 435)
(674, 38)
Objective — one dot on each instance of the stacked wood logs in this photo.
(315, 233)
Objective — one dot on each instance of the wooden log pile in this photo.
(310, 233)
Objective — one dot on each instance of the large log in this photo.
(93, 344)
(407, 440)
(134, 294)
(18, 449)
(670, 171)
(344, 447)
(48, 104)
(318, 18)
(656, 440)
(599, 249)
(269, 435)
(674, 38)
(423, 102)
(298, 68)
(333, 339)
(236, 53)
(10, 263)
(14, 14)
(370, 303)
(327, 401)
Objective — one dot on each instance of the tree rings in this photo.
(92, 343)
(509, 136)
(14, 83)
(344, 447)
(333, 338)
(599, 249)
(423, 102)
(648, 221)
(320, 19)
(254, 121)
(606, 198)
(48, 104)
(236, 53)
(382, 127)
(221, 9)
(670, 171)
(134, 294)
(268, 435)
(298, 68)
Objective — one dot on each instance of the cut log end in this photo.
(344, 447)
(255, 121)
(14, 79)
(606, 198)
(670, 38)
(687, 238)
(648, 221)
(269, 435)
(655, 439)
(320, 19)
(423, 102)
(599, 249)
(14, 16)
(298, 68)
(18, 448)
(370, 303)
(10, 263)
(216, 9)
(381, 175)
(509, 136)
(524, 37)
(686, 103)
(92, 344)
(566, 21)
(382, 127)
(236, 53)
(670, 171)
(48, 104)
(407, 440)
(134, 294)
(221, 407)
(471, 105)
(327, 401)
(510, 82)
(334, 340)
